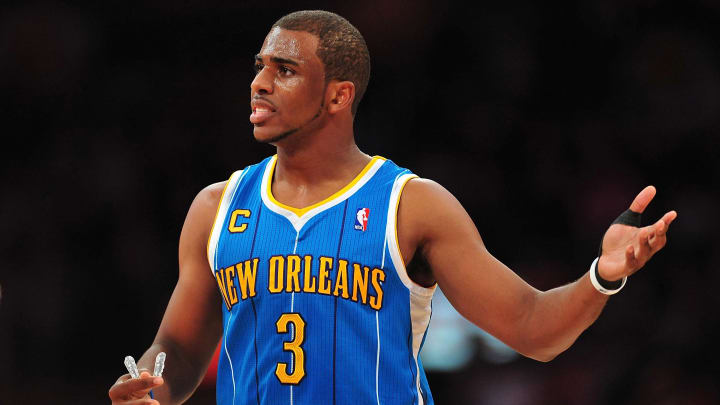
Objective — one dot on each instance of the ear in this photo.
(340, 96)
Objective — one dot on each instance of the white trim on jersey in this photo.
(377, 358)
(225, 199)
(377, 329)
(420, 297)
(392, 242)
(420, 310)
(299, 221)
(232, 372)
(222, 211)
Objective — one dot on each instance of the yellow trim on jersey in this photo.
(302, 211)
(397, 205)
(212, 228)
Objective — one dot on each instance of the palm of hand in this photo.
(626, 249)
(614, 260)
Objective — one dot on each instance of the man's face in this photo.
(287, 93)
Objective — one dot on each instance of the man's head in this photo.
(313, 66)
(341, 47)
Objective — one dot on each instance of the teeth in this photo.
(260, 109)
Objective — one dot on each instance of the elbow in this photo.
(543, 357)
(545, 352)
(544, 345)
(549, 352)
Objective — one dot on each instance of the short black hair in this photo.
(341, 48)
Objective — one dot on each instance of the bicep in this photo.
(193, 318)
(479, 286)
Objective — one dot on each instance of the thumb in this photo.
(134, 388)
(145, 374)
(642, 200)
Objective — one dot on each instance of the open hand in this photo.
(625, 249)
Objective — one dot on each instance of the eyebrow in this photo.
(277, 59)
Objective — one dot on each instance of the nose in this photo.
(262, 83)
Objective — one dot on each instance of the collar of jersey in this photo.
(299, 216)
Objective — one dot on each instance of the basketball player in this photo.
(317, 265)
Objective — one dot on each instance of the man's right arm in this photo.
(192, 324)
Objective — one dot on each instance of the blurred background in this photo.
(544, 120)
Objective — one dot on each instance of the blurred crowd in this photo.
(544, 120)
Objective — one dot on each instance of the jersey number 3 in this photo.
(292, 346)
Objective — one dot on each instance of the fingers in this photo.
(660, 228)
(656, 241)
(669, 218)
(643, 199)
(657, 236)
(640, 250)
(142, 383)
(650, 240)
(138, 402)
(630, 257)
(133, 388)
(643, 250)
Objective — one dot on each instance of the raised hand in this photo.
(626, 249)
(134, 391)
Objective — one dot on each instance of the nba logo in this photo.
(361, 218)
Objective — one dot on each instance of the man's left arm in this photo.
(538, 324)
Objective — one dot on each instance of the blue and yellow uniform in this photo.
(318, 307)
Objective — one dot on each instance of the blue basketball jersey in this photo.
(317, 304)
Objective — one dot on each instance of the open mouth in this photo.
(260, 115)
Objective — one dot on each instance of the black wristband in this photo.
(608, 285)
(604, 286)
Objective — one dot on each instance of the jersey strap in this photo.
(225, 199)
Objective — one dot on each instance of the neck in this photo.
(328, 154)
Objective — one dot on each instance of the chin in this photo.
(263, 134)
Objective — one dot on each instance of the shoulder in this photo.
(207, 200)
(428, 211)
(202, 212)
(210, 196)
(424, 194)
(422, 185)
